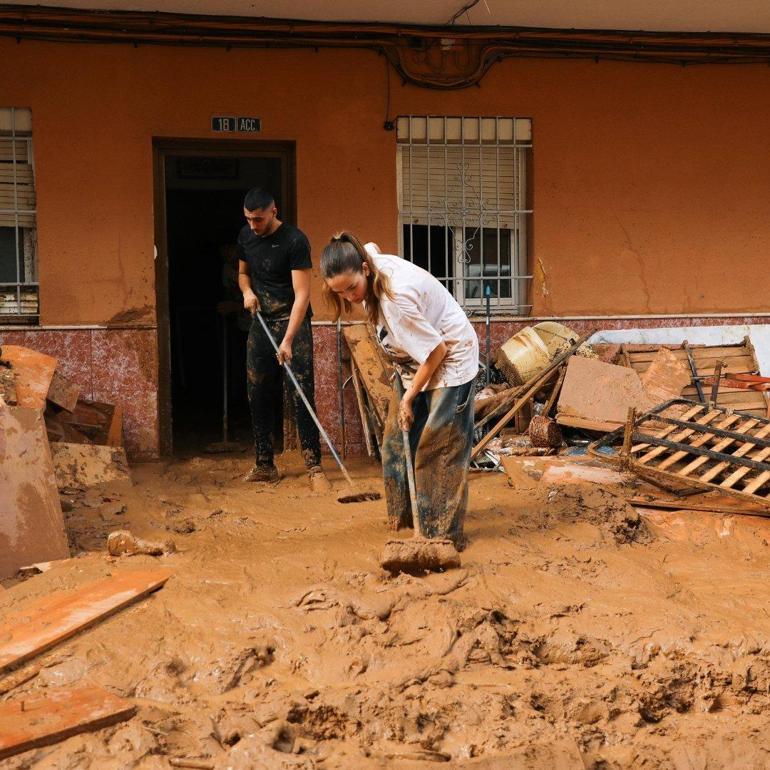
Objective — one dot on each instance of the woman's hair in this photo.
(346, 253)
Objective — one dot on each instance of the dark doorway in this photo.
(200, 310)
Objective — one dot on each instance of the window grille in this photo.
(462, 202)
(18, 219)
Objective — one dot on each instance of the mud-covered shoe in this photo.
(318, 481)
(262, 473)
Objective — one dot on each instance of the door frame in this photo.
(162, 148)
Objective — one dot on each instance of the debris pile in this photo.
(55, 441)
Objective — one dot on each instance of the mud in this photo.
(576, 634)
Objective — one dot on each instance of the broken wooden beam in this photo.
(42, 623)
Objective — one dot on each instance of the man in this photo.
(274, 277)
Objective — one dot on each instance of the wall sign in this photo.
(233, 124)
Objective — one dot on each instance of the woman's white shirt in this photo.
(420, 316)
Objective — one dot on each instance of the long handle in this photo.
(302, 395)
(408, 457)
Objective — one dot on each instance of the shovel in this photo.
(356, 496)
(418, 554)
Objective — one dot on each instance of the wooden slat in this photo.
(754, 485)
(702, 439)
(688, 415)
(45, 622)
(739, 473)
(718, 447)
(642, 352)
(742, 450)
(657, 451)
(34, 721)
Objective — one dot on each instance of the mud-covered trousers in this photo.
(441, 439)
(263, 378)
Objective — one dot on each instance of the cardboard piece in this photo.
(42, 623)
(596, 396)
(40, 721)
(666, 377)
(31, 519)
(84, 465)
(34, 372)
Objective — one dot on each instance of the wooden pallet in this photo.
(738, 359)
(698, 445)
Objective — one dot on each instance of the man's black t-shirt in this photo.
(271, 260)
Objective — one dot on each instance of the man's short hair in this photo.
(257, 198)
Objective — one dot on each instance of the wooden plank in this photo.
(63, 392)
(740, 452)
(35, 721)
(738, 358)
(683, 434)
(42, 623)
(31, 519)
(684, 505)
(34, 373)
(718, 447)
(698, 351)
(372, 367)
(702, 439)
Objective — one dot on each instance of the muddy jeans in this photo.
(441, 439)
(263, 378)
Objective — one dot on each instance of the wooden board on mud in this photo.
(31, 519)
(42, 623)
(371, 366)
(36, 720)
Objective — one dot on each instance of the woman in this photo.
(434, 348)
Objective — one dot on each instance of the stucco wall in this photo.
(650, 182)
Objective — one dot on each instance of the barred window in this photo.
(18, 233)
(462, 202)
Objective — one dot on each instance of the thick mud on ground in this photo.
(577, 634)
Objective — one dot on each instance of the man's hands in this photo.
(405, 412)
(250, 301)
(284, 352)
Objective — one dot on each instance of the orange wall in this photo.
(651, 182)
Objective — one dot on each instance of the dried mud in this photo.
(576, 634)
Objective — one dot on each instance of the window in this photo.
(18, 235)
(462, 202)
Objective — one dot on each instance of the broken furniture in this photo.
(738, 359)
(681, 442)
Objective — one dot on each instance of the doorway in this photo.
(202, 328)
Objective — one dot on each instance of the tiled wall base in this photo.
(121, 366)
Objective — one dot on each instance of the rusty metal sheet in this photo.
(31, 520)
